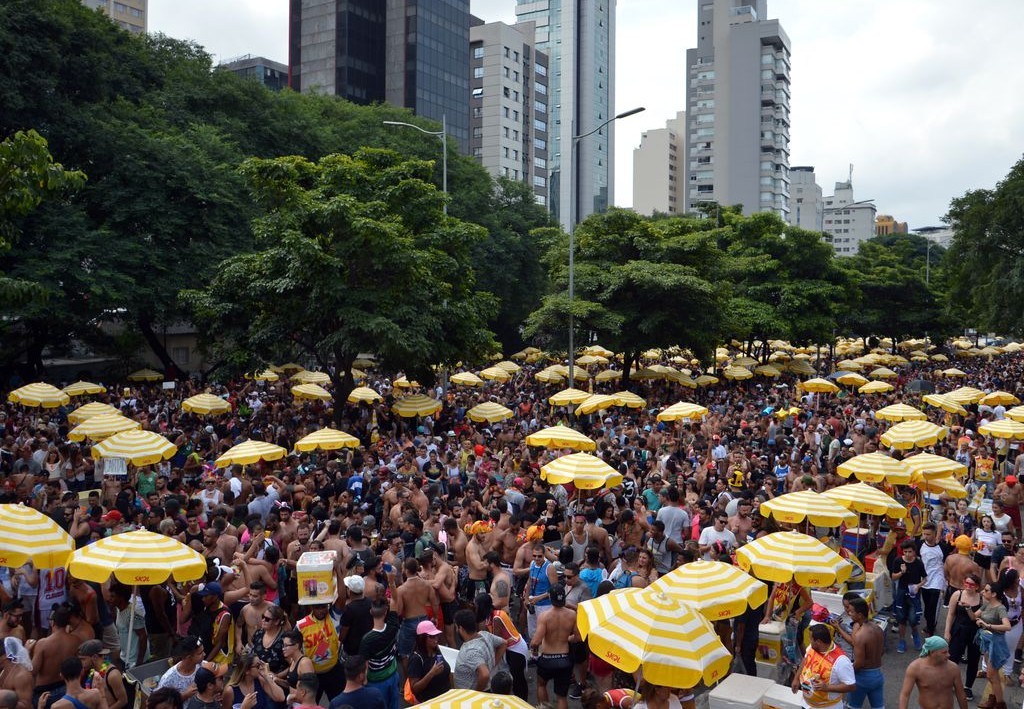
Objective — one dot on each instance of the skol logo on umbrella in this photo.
(140, 578)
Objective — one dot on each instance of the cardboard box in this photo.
(739, 692)
(317, 582)
(769, 643)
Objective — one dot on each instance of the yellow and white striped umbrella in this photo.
(862, 498)
(717, 590)
(250, 452)
(683, 410)
(93, 408)
(569, 396)
(900, 412)
(913, 434)
(745, 362)
(995, 398)
(312, 392)
(137, 447)
(267, 375)
(795, 507)
(608, 375)
(416, 405)
(930, 466)
(489, 412)
(953, 372)
(737, 373)
(549, 376)
(784, 556)
(966, 395)
(849, 365)
(137, 558)
(466, 379)
(705, 380)
(767, 370)
(405, 383)
(943, 402)
(819, 386)
(882, 373)
(1006, 428)
(629, 400)
(587, 360)
(39, 394)
(510, 367)
(145, 375)
(1016, 414)
(876, 388)
(471, 699)
(26, 534)
(326, 439)
(950, 487)
(496, 374)
(99, 427)
(561, 437)
(671, 643)
(311, 377)
(205, 404)
(875, 468)
(363, 395)
(852, 379)
(585, 471)
(596, 402)
(289, 367)
(83, 388)
(598, 351)
(801, 367)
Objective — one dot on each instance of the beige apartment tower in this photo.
(658, 184)
(132, 15)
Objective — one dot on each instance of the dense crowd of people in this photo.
(446, 536)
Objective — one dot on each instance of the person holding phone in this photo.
(428, 676)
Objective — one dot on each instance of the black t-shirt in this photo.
(441, 683)
(356, 617)
(914, 574)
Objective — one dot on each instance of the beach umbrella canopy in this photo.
(953, 372)
(596, 402)
(549, 376)
(404, 383)
(1006, 428)
(785, 556)
(864, 499)
(819, 386)
(966, 395)
(417, 405)
(103, 426)
(767, 370)
(145, 375)
(683, 410)
(930, 465)
(716, 589)
(882, 373)
(136, 447)
(139, 557)
(608, 375)
(510, 367)
(876, 388)
(737, 373)
(583, 470)
(996, 398)
(705, 380)
(471, 699)
(801, 367)
(852, 379)
(311, 377)
(569, 396)
(489, 412)
(913, 434)
(312, 392)
(205, 404)
(900, 412)
(93, 408)
(951, 487)
(587, 360)
(671, 643)
(945, 403)
(267, 375)
(289, 367)
(326, 439)
(250, 452)
(466, 379)
(496, 374)
(363, 395)
(745, 362)
(27, 535)
(795, 507)
(561, 437)
(39, 394)
(598, 351)
(875, 468)
(1016, 414)
(629, 400)
(83, 388)
(850, 366)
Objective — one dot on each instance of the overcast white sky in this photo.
(924, 97)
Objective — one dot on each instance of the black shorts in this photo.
(448, 611)
(558, 669)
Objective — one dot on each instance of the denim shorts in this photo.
(870, 686)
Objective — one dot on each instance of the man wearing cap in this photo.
(936, 678)
(95, 664)
(213, 624)
(826, 673)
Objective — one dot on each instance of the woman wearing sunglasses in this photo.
(961, 628)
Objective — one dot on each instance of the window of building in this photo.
(507, 51)
(508, 72)
(135, 12)
(515, 135)
(541, 70)
(505, 151)
(515, 96)
(515, 56)
(515, 116)
(539, 181)
(507, 91)
(478, 112)
(478, 72)
(478, 93)
(515, 76)
(478, 52)
(478, 152)
(478, 132)
(505, 109)
(541, 144)
(181, 355)
(541, 163)
(540, 89)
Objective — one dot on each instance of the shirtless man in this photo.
(10, 625)
(445, 581)
(475, 551)
(457, 541)
(287, 527)
(501, 581)
(506, 541)
(555, 630)
(418, 498)
(251, 614)
(299, 545)
(220, 543)
(47, 653)
(957, 566)
(76, 696)
(17, 678)
(740, 523)
(1011, 493)
(93, 658)
(411, 601)
(868, 644)
(936, 678)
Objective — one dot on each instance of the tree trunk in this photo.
(34, 355)
(216, 365)
(149, 335)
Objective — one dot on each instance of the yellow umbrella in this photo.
(549, 376)
(596, 402)
(267, 375)
(850, 366)
(1016, 414)
(965, 395)
(953, 372)
(766, 370)
(495, 374)
(629, 400)
(852, 379)
(997, 398)
(585, 471)
(310, 377)
(363, 395)
(27, 535)
(418, 405)
(471, 699)
(875, 468)
(671, 643)
(945, 403)
(135, 558)
(39, 394)
(930, 465)
(883, 373)
(82, 388)
(914, 434)
(569, 396)
(250, 452)
(939, 486)
(466, 379)
(289, 367)
(312, 392)
(745, 362)
(737, 373)
(608, 375)
(685, 381)
(87, 411)
(939, 358)
(801, 367)
(364, 363)
(489, 412)
(706, 380)
(205, 404)
(876, 388)
(819, 386)
(683, 410)
(137, 447)
(864, 499)
(326, 439)
(717, 590)
(99, 427)
(587, 360)
(561, 437)
(579, 373)
(145, 375)
(784, 556)
(795, 507)
(510, 367)
(900, 412)
(403, 383)
(1003, 429)
(598, 351)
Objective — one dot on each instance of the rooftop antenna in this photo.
(849, 177)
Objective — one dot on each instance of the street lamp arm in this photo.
(630, 112)
(412, 125)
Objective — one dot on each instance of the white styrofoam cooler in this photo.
(739, 692)
(780, 697)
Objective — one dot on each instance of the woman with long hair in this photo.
(428, 675)
(986, 540)
(961, 628)
(252, 676)
(993, 624)
(268, 639)
(1009, 581)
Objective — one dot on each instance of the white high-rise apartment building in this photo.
(847, 222)
(578, 37)
(132, 15)
(658, 169)
(737, 108)
(806, 205)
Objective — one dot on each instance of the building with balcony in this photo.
(886, 224)
(132, 15)
(658, 169)
(847, 222)
(737, 108)
(806, 206)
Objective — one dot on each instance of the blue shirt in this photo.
(362, 698)
(539, 582)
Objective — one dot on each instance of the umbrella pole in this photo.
(131, 620)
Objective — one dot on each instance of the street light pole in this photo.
(443, 135)
(928, 264)
(573, 205)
